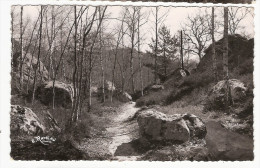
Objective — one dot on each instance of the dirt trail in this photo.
(120, 129)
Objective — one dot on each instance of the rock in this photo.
(29, 66)
(63, 94)
(157, 87)
(23, 119)
(184, 72)
(29, 70)
(124, 97)
(157, 126)
(196, 126)
(110, 86)
(217, 98)
(226, 145)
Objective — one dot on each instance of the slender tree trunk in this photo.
(214, 60)
(225, 59)
(123, 62)
(39, 53)
(21, 56)
(63, 62)
(132, 50)
(91, 55)
(139, 56)
(75, 66)
(165, 59)
(12, 40)
(156, 45)
(182, 65)
(101, 60)
(30, 68)
(225, 47)
(115, 58)
(53, 41)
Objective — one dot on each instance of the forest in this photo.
(132, 83)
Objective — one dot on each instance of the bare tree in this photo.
(39, 53)
(101, 57)
(21, 55)
(236, 15)
(154, 46)
(132, 23)
(225, 44)
(121, 34)
(138, 50)
(197, 31)
(214, 60)
(225, 60)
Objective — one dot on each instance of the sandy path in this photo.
(120, 129)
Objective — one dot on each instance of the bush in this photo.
(153, 98)
(198, 79)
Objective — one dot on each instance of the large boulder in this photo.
(63, 94)
(157, 126)
(228, 145)
(24, 120)
(217, 95)
(196, 126)
(29, 67)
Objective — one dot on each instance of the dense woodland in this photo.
(103, 59)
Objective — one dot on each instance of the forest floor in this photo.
(118, 129)
(119, 138)
(114, 136)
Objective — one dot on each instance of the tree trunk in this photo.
(139, 56)
(123, 62)
(225, 59)
(132, 51)
(225, 43)
(214, 60)
(38, 59)
(182, 65)
(75, 66)
(21, 55)
(156, 44)
(101, 62)
(12, 37)
(165, 59)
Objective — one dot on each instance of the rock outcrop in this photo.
(29, 66)
(227, 145)
(217, 95)
(154, 125)
(24, 120)
(63, 94)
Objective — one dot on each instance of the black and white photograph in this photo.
(132, 83)
(167, 83)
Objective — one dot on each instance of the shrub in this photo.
(153, 98)
(198, 79)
